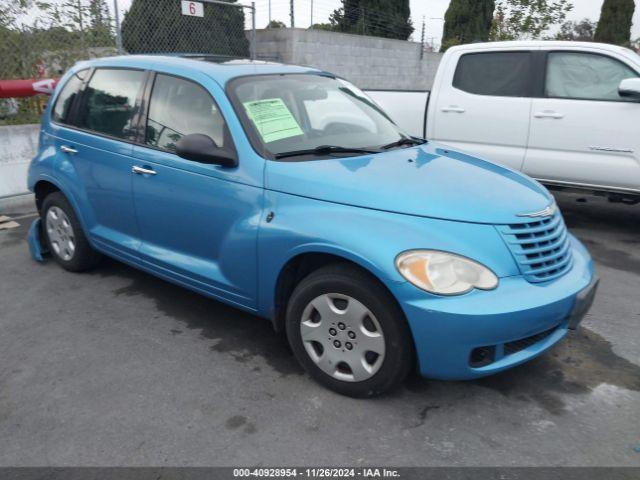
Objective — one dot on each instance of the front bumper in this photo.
(511, 325)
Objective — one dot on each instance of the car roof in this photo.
(545, 44)
(220, 68)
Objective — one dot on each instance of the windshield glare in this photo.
(285, 113)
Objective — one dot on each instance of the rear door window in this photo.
(498, 74)
(180, 107)
(67, 96)
(108, 106)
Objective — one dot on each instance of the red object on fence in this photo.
(27, 88)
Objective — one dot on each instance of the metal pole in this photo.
(422, 39)
(311, 15)
(291, 13)
(79, 6)
(253, 31)
(118, 35)
(269, 14)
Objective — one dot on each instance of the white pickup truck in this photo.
(565, 113)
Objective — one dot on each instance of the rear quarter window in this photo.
(498, 74)
(62, 108)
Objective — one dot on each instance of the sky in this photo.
(431, 10)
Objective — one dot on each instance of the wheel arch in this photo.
(303, 264)
(46, 185)
(42, 189)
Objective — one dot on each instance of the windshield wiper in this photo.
(323, 150)
(403, 141)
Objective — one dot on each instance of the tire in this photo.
(339, 305)
(64, 236)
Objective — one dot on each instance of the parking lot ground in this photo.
(116, 367)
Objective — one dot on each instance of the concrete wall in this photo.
(18, 144)
(369, 62)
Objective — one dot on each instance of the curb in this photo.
(24, 203)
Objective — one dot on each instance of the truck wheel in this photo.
(348, 332)
(64, 236)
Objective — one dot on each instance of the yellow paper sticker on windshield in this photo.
(273, 119)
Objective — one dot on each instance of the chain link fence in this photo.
(43, 39)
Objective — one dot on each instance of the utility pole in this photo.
(292, 14)
(253, 31)
(311, 14)
(269, 14)
(422, 38)
(118, 35)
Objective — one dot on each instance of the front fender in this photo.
(370, 238)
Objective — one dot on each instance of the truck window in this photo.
(60, 111)
(180, 107)
(108, 105)
(585, 76)
(498, 74)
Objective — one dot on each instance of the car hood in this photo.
(428, 181)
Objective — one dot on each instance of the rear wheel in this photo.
(64, 236)
(348, 332)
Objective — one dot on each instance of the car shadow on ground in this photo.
(576, 366)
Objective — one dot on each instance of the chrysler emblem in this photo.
(547, 212)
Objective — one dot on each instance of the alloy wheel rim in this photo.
(60, 233)
(342, 337)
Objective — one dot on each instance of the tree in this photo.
(155, 26)
(467, 21)
(527, 19)
(276, 24)
(582, 31)
(322, 26)
(100, 29)
(377, 18)
(615, 22)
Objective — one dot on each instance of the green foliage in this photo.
(467, 21)
(527, 19)
(322, 26)
(615, 22)
(156, 26)
(377, 18)
(276, 24)
(43, 39)
(582, 31)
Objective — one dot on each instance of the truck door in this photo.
(483, 105)
(582, 131)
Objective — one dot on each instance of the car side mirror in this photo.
(201, 148)
(630, 88)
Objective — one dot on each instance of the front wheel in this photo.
(348, 332)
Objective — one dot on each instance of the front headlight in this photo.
(444, 273)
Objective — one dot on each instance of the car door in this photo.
(582, 131)
(198, 221)
(485, 108)
(95, 151)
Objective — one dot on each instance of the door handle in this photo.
(143, 171)
(549, 114)
(454, 109)
(69, 150)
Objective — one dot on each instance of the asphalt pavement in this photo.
(118, 368)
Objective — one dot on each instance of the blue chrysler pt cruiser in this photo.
(287, 192)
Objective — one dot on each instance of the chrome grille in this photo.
(540, 247)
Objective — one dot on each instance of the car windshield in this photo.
(293, 115)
